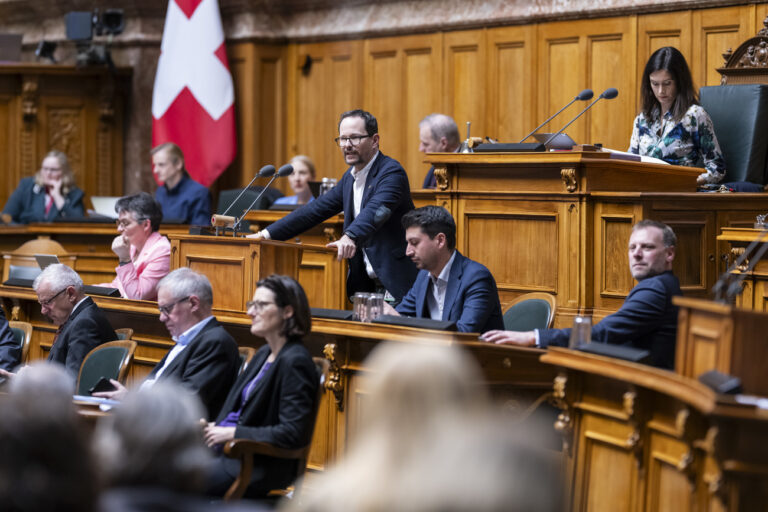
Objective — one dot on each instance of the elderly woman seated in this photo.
(144, 254)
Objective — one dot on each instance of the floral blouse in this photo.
(690, 142)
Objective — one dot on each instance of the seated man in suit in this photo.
(438, 133)
(448, 286)
(647, 320)
(205, 359)
(82, 325)
(181, 198)
(10, 350)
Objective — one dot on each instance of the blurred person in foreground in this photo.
(50, 194)
(144, 254)
(275, 398)
(427, 442)
(45, 463)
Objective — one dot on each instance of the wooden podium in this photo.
(234, 265)
(714, 336)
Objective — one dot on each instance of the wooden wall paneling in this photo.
(714, 31)
(655, 31)
(241, 59)
(613, 280)
(511, 83)
(466, 84)
(759, 14)
(403, 83)
(578, 54)
(332, 85)
(8, 170)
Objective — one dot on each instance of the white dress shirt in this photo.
(436, 299)
(181, 343)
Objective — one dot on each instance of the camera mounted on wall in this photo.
(81, 27)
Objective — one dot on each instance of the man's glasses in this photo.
(258, 305)
(353, 141)
(48, 301)
(168, 309)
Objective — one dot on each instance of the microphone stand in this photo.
(727, 283)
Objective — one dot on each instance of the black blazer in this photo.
(207, 367)
(378, 228)
(10, 351)
(280, 410)
(27, 204)
(85, 329)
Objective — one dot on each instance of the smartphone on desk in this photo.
(102, 385)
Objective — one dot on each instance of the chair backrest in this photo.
(109, 360)
(246, 355)
(22, 333)
(738, 114)
(124, 333)
(530, 311)
(323, 368)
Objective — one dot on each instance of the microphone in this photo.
(608, 94)
(726, 283)
(285, 170)
(584, 95)
(264, 172)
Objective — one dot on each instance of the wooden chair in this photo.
(110, 360)
(124, 333)
(535, 310)
(245, 449)
(22, 332)
(246, 355)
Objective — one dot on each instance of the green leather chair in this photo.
(738, 113)
(110, 360)
(530, 311)
(22, 333)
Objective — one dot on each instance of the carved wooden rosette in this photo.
(335, 382)
(441, 177)
(749, 63)
(568, 176)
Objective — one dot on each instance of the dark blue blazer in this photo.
(85, 329)
(10, 350)
(647, 320)
(471, 299)
(207, 367)
(27, 204)
(429, 180)
(378, 229)
(280, 411)
(188, 202)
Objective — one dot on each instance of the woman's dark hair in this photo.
(288, 292)
(143, 206)
(671, 60)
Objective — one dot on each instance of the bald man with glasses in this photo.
(205, 358)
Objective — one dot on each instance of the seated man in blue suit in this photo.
(373, 194)
(647, 320)
(449, 286)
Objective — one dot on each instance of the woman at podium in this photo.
(303, 173)
(48, 195)
(671, 125)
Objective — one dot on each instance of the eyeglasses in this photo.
(168, 309)
(258, 305)
(51, 170)
(48, 301)
(354, 140)
(124, 223)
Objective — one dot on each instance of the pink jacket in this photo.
(138, 279)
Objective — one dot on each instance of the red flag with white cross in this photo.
(193, 100)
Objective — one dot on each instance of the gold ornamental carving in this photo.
(564, 423)
(441, 177)
(736, 253)
(568, 176)
(29, 99)
(330, 234)
(65, 133)
(334, 383)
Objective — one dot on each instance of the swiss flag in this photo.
(193, 100)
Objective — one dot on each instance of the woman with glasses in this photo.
(50, 194)
(274, 399)
(144, 254)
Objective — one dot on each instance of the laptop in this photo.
(104, 206)
(10, 47)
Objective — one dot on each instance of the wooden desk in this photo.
(640, 438)
(514, 375)
(560, 223)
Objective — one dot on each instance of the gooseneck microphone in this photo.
(222, 219)
(584, 95)
(285, 170)
(607, 94)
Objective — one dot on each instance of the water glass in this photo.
(375, 306)
(360, 306)
(581, 333)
